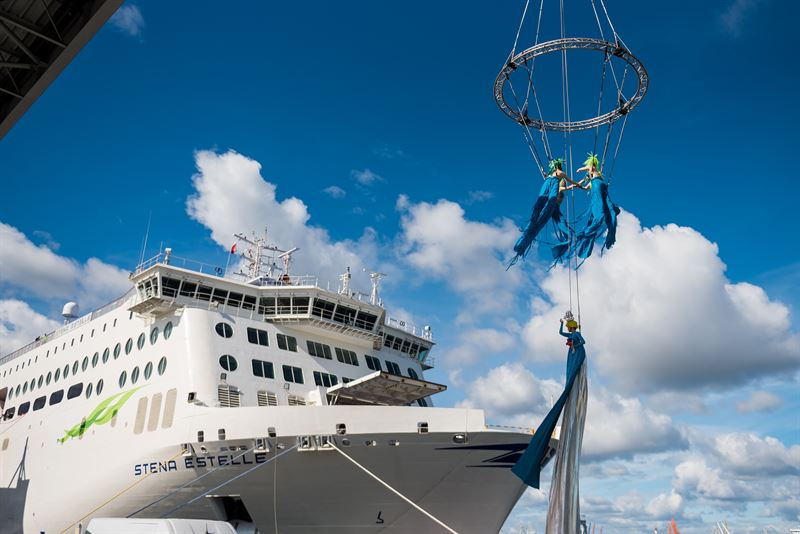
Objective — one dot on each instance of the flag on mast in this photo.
(233, 248)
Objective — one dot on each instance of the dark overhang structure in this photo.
(38, 38)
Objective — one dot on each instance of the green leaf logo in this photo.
(102, 414)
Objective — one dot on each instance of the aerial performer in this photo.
(563, 514)
(546, 208)
(601, 217)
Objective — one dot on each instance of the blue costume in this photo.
(546, 208)
(528, 466)
(602, 216)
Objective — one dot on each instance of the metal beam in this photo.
(10, 65)
(17, 41)
(12, 93)
(11, 19)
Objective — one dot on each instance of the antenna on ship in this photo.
(345, 278)
(375, 278)
(287, 258)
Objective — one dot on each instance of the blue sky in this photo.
(391, 103)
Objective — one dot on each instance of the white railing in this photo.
(405, 326)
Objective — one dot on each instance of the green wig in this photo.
(556, 164)
(592, 161)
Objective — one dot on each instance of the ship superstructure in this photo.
(245, 394)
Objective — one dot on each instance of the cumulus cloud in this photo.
(665, 506)
(734, 16)
(335, 191)
(659, 314)
(759, 401)
(231, 196)
(366, 177)
(20, 324)
(474, 197)
(128, 19)
(512, 394)
(480, 344)
(695, 476)
(745, 453)
(29, 269)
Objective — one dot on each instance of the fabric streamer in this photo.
(602, 217)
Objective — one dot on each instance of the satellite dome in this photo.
(70, 311)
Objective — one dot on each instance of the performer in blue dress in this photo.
(602, 212)
(545, 209)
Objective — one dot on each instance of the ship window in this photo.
(148, 370)
(39, 403)
(287, 343)
(128, 346)
(40, 381)
(154, 335)
(387, 341)
(224, 329)
(292, 374)
(135, 375)
(49, 378)
(106, 354)
(406, 346)
(167, 330)
(284, 305)
(300, 305)
(66, 371)
(169, 287)
(392, 368)
(263, 369)
(89, 387)
(188, 289)
(117, 349)
(57, 375)
(257, 337)
(235, 299)
(319, 350)
(114, 324)
(85, 363)
(140, 341)
(9, 414)
(74, 390)
(75, 366)
(99, 388)
(219, 296)
(373, 362)
(24, 388)
(398, 342)
(162, 365)
(16, 392)
(422, 402)
(366, 320)
(33, 384)
(345, 315)
(249, 302)
(228, 362)
(266, 305)
(204, 293)
(56, 397)
(412, 373)
(345, 380)
(95, 359)
(323, 308)
(24, 408)
(123, 377)
(325, 379)
(346, 356)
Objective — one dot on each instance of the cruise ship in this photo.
(250, 395)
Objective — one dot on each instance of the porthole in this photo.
(75, 367)
(167, 330)
(33, 383)
(106, 353)
(99, 386)
(57, 375)
(16, 393)
(117, 350)
(140, 341)
(228, 362)
(122, 378)
(49, 378)
(40, 381)
(128, 346)
(66, 371)
(148, 370)
(135, 375)
(85, 363)
(162, 363)
(88, 390)
(11, 393)
(95, 359)
(224, 329)
(154, 335)
(24, 388)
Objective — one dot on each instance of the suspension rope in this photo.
(600, 99)
(387, 486)
(519, 30)
(616, 150)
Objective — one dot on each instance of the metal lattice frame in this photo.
(571, 43)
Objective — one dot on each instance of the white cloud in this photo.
(745, 453)
(128, 19)
(335, 191)
(665, 506)
(231, 196)
(733, 18)
(658, 314)
(759, 401)
(480, 344)
(29, 269)
(366, 176)
(694, 475)
(478, 196)
(388, 152)
(512, 394)
(20, 324)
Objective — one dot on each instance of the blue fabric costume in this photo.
(529, 465)
(602, 216)
(546, 208)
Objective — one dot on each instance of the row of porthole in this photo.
(148, 371)
(22, 389)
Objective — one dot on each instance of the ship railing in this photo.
(163, 258)
(405, 326)
(47, 337)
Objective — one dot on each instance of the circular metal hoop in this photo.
(571, 43)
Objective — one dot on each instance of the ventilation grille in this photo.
(294, 400)
(228, 396)
(267, 398)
